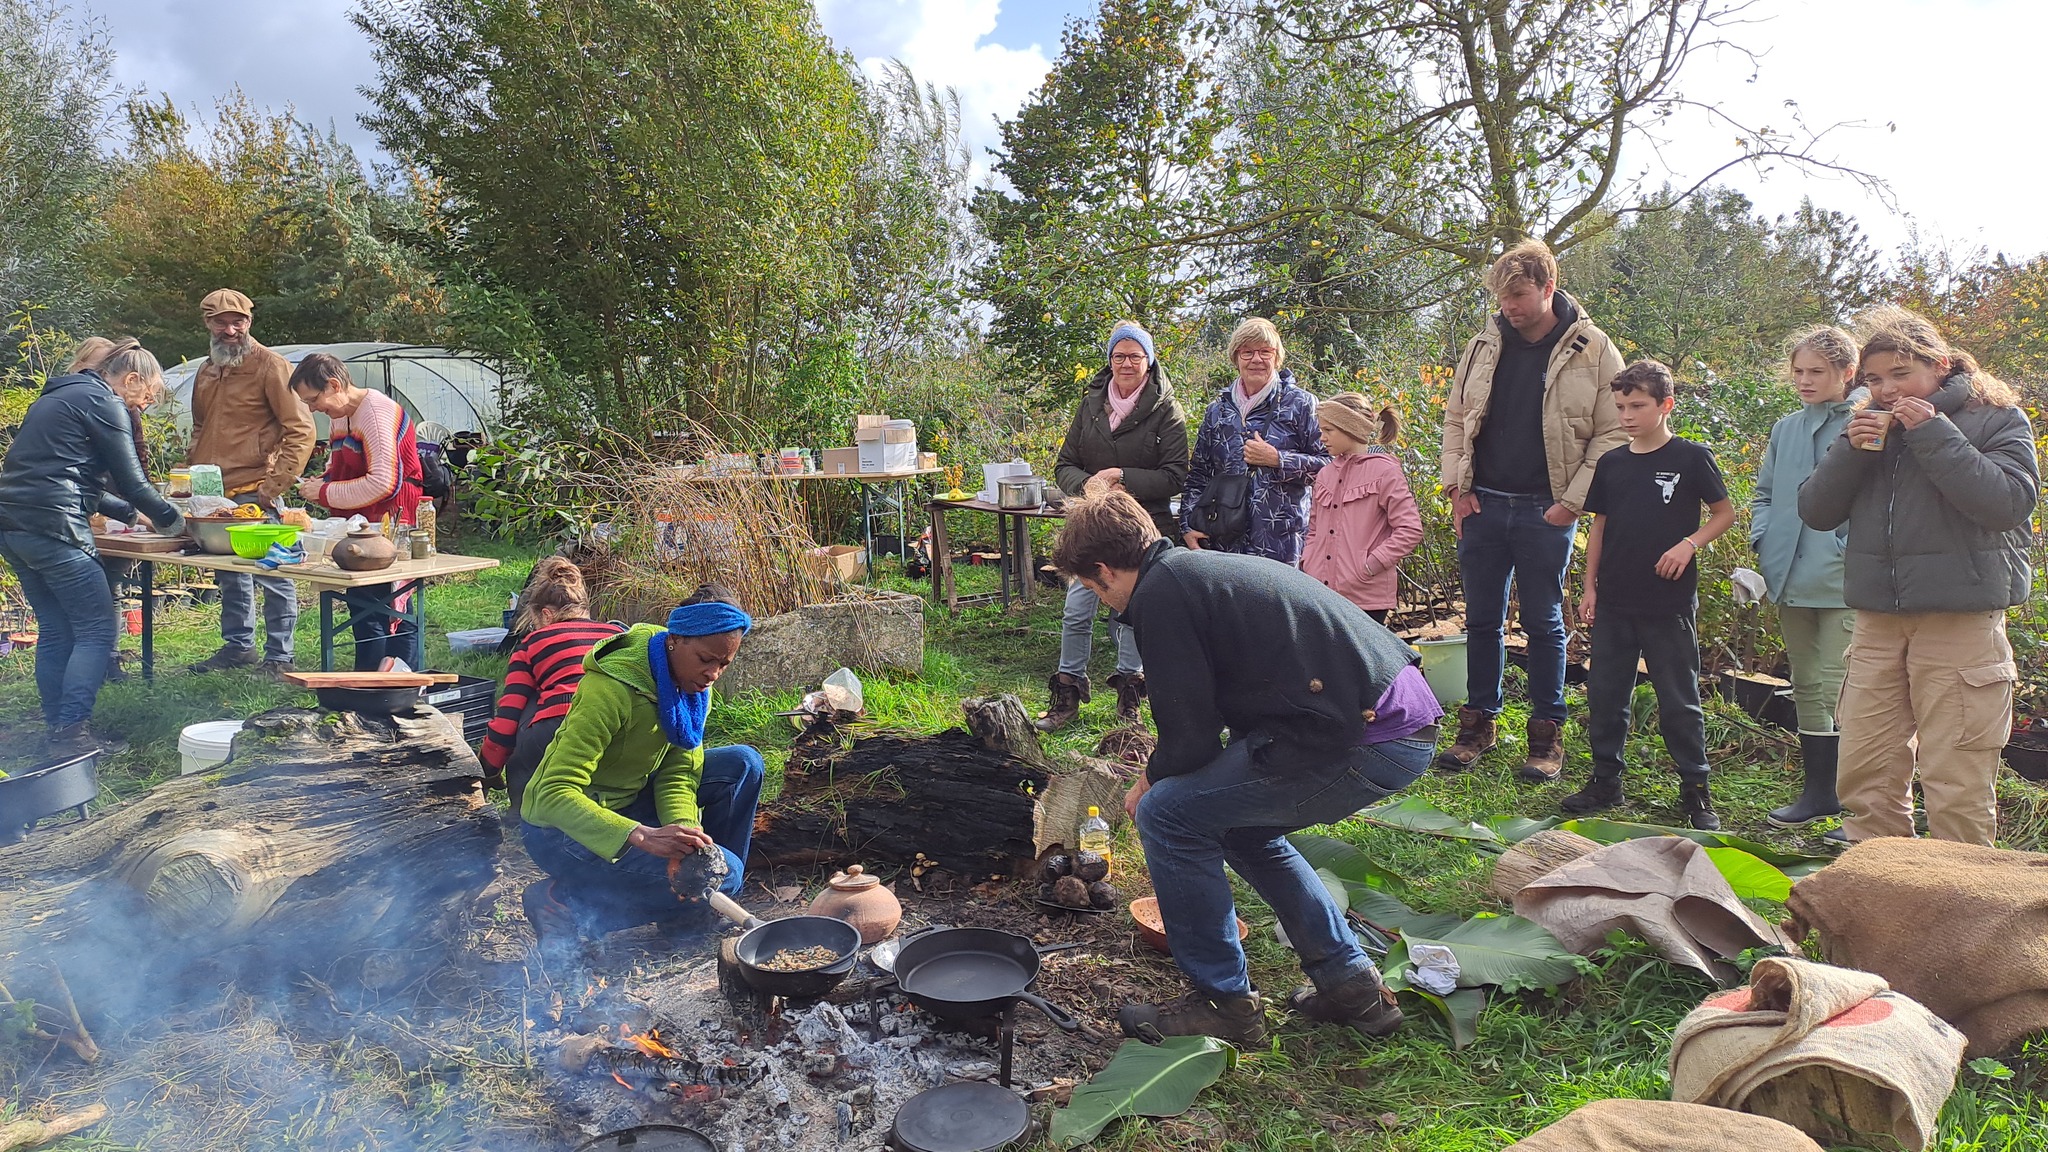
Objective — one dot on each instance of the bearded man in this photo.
(247, 421)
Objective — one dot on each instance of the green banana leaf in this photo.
(1412, 815)
(1515, 954)
(1387, 912)
(1515, 829)
(1792, 864)
(1142, 1080)
(1345, 861)
(1749, 876)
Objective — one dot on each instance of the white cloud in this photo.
(940, 41)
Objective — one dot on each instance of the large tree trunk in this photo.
(329, 843)
(976, 802)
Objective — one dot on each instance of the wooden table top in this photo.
(765, 478)
(321, 573)
(1042, 512)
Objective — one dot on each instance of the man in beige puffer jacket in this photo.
(1528, 416)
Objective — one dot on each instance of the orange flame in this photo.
(651, 1044)
(622, 1082)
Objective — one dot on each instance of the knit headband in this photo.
(708, 618)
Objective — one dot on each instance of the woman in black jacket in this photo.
(75, 432)
(1128, 435)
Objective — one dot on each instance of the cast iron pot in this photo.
(765, 938)
(29, 797)
(379, 701)
(972, 974)
(650, 1138)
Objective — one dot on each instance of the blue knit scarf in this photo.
(682, 713)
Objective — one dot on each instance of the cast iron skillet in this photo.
(765, 938)
(973, 973)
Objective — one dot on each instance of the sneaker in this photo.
(282, 554)
(1598, 795)
(1477, 734)
(1362, 1002)
(1240, 1020)
(1698, 805)
(228, 657)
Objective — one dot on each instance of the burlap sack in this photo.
(1664, 889)
(1827, 1050)
(1960, 928)
(1663, 1126)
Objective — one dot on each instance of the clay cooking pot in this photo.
(364, 550)
(862, 901)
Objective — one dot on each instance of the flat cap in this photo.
(225, 300)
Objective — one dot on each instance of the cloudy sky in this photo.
(1945, 87)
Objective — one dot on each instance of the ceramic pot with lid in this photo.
(364, 550)
(862, 901)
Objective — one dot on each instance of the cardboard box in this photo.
(870, 421)
(839, 461)
(842, 561)
(888, 456)
(927, 460)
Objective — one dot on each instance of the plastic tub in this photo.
(1443, 665)
(252, 541)
(202, 746)
(476, 640)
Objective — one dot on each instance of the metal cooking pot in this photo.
(29, 797)
(1020, 493)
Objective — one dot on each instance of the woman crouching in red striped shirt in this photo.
(542, 674)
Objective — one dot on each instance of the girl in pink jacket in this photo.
(1362, 518)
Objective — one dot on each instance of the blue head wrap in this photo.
(1128, 331)
(683, 713)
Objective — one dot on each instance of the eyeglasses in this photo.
(1128, 358)
(1255, 353)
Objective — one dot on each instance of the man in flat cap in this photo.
(247, 421)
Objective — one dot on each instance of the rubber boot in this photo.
(1477, 734)
(1698, 804)
(1818, 756)
(1130, 695)
(1545, 762)
(1068, 693)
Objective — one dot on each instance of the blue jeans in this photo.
(1239, 811)
(1508, 537)
(67, 588)
(1077, 634)
(635, 889)
(238, 612)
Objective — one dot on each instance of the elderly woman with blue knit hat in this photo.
(1128, 434)
(627, 791)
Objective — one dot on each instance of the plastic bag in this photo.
(1433, 968)
(210, 506)
(842, 691)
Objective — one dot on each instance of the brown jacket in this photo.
(1579, 419)
(247, 421)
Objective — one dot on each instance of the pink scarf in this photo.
(1120, 407)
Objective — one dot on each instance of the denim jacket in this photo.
(1286, 418)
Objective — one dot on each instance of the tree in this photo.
(655, 196)
(1111, 155)
(55, 86)
(1712, 285)
(1510, 117)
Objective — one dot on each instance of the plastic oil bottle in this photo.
(1094, 835)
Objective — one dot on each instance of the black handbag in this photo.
(1223, 512)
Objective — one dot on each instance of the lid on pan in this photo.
(968, 1116)
(650, 1138)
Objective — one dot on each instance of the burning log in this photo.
(327, 836)
(646, 1061)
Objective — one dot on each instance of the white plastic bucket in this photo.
(202, 746)
(1443, 665)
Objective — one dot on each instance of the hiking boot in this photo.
(1477, 734)
(1599, 794)
(1817, 800)
(1699, 807)
(228, 657)
(275, 669)
(69, 742)
(1241, 1020)
(1362, 1002)
(1068, 693)
(1546, 753)
(1130, 695)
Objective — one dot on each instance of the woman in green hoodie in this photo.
(627, 786)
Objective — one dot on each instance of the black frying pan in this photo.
(765, 938)
(973, 973)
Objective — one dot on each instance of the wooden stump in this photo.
(1538, 856)
(325, 837)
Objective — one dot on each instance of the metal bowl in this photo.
(212, 533)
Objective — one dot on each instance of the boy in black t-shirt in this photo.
(1641, 587)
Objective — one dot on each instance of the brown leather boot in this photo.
(1546, 753)
(1476, 737)
(1130, 695)
(1068, 693)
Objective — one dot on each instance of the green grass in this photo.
(1537, 1057)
